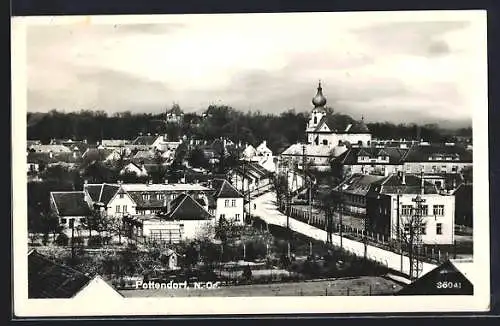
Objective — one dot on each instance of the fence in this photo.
(431, 254)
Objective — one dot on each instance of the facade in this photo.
(111, 199)
(229, 202)
(250, 176)
(138, 169)
(437, 158)
(387, 204)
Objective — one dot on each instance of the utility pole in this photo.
(72, 223)
(341, 208)
(398, 225)
(416, 236)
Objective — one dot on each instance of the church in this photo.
(319, 133)
(323, 141)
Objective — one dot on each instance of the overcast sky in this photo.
(383, 66)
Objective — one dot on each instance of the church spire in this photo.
(319, 100)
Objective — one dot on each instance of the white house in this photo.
(138, 169)
(111, 199)
(229, 202)
(183, 219)
(263, 150)
(250, 176)
(65, 282)
(71, 207)
(437, 158)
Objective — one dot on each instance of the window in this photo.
(439, 228)
(424, 210)
(145, 196)
(237, 217)
(233, 203)
(121, 196)
(124, 208)
(438, 210)
(407, 227)
(423, 229)
(406, 210)
(325, 142)
(117, 208)
(222, 216)
(83, 220)
(315, 120)
(226, 203)
(63, 221)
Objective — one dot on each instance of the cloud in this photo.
(380, 68)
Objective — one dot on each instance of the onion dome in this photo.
(319, 99)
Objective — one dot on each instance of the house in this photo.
(183, 218)
(317, 157)
(250, 176)
(228, 202)
(76, 145)
(146, 142)
(110, 199)
(449, 278)
(437, 158)
(114, 143)
(71, 207)
(371, 160)
(101, 155)
(49, 149)
(170, 259)
(388, 205)
(263, 150)
(133, 168)
(50, 280)
(153, 198)
(248, 153)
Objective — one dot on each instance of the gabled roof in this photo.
(70, 203)
(48, 279)
(310, 150)
(359, 184)
(101, 193)
(412, 185)
(97, 154)
(447, 273)
(358, 127)
(50, 148)
(151, 202)
(422, 153)
(322, 122)
(223, 189)
(144, 140)
(185, 207)
(350, 157)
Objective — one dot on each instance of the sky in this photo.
(398, 67)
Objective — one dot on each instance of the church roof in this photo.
(358, 127)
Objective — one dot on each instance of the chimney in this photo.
(165, 181)
(422, 184)
(51, 155)
(403, 178)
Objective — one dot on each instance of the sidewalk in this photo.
(267, 210)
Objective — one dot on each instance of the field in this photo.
(358, 286)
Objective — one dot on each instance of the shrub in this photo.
(95, 240)
(62, 239)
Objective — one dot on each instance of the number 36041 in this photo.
(448, 285)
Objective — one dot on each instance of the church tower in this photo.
(318, 112)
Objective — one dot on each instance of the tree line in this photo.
(279, 130)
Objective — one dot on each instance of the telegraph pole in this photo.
(341, 205)
(416, 235)
(398, 225)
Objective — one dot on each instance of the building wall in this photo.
(385, 169)
(447, 221)
(435, 166)
(126, 201)
(230, 211)
(189, 229)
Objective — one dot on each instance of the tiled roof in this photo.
(151, 202)
(144, 140)
(144, 154)
(48, 279)
(446, 153)
(412, 185)
(350, 157)
(185, 207)
(223, 189)
(358, 127)
(310, 150)
(359, 184)
(70, 203)
(50, 148)
(323, 121)
(95, 154)
(101, 193)
(76, 145)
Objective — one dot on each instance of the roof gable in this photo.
(447, 273)
(225, 190)
(48, 279)
(185, 207)
(70, 203)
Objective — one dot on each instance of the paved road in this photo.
(267, 210)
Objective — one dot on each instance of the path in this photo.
(267, 210)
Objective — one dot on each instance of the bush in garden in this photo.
(62, 239)
(95, 241)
